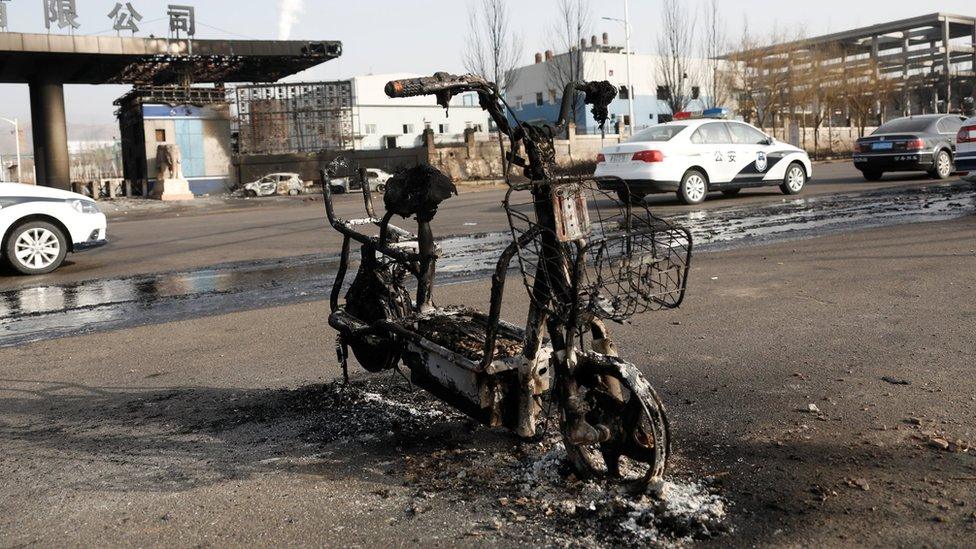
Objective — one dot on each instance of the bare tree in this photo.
(494, 49)
(675, 48)
(759, 78)
(569, 33)
(714, 45)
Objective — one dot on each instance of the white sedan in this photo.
(966, 150)
(695, 157)
(40, 225)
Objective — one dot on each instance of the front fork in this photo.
(564, 360)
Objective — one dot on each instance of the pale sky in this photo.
(381, 36)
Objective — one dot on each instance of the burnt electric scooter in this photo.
(585, 258)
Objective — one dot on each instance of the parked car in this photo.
(693, 157)
(966, 150)
(40, 225)
(377, 182)
(925, 143)
(275, 183)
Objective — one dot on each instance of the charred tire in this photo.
(731, 192)
(693, 188)
(795, 179)
(872, 175)
(381, 188)
(293, 192)
(637, 421)
(250, 193)
(35, 247)
(943, 167)
(630, 197)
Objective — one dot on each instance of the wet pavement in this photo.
(52, 311)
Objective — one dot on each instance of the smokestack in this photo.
(548, 55)
(538, 58)
(606, 39)
(593, 41)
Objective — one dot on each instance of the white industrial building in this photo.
(383, 123)
(534, 96)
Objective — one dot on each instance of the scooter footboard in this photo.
(446, 363)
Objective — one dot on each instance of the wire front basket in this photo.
(584, 253)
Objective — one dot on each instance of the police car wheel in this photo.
(693, 188)
(36, 247)
(794, 180)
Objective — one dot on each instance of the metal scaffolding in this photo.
(927, 62)
(290, 118)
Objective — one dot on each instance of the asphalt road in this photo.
(212, 430)
(180, 239)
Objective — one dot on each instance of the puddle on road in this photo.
(53, 311)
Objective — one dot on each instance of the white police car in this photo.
(698, 153)
(40, 225)
(966, 150)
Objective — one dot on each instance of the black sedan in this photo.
(925, 143)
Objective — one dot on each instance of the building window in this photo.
(518, 102)
(663, 93)
(695, 92)
(370, 129)
(407, 129)
(552, 96)
(624, 92)
(539, 100)
(626, 120)
(160, 136)
(443, 128)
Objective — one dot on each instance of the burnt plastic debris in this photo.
(418, 191)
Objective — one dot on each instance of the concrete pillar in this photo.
(947, 64)
(973, 80)
(907, 99)
(51, 161)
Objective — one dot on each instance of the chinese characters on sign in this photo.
(182, 18)
(125, 17)
(62, 12)
(3, 15)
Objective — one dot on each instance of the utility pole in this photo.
(630, 85)
(16, 125)
(628, 53)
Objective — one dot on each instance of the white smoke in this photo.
(288, 13)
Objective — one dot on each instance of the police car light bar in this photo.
(720, 112)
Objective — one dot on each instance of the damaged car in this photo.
(275, 184)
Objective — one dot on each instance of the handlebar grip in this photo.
(409, 87)
(430, 85)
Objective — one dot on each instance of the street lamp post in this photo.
(628, 53)
(16, 124)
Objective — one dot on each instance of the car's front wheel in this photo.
(693, 188)
(795, 179)
(36, 247)
(251, 193)
(943, 165)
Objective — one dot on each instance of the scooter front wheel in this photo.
(616, 396)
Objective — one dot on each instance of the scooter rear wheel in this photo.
(639, 446)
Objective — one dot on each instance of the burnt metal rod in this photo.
(367, 194)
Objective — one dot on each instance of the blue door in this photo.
(189, 136)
